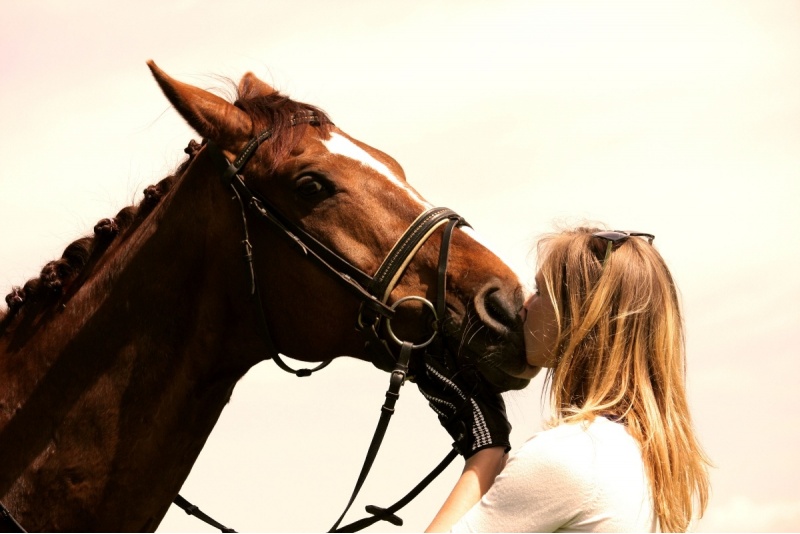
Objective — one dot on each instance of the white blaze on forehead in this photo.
(342, 146)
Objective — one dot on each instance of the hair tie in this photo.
(15, 299)
(193, 148)
(106, 228)
(51, 276)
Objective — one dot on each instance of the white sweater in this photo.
(572, 478)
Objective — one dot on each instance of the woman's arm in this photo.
(478, 476)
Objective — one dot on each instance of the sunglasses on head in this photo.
(617, 237)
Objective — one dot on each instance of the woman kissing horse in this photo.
(116, 362)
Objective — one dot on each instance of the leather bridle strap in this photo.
(444, 252)
(405, 249)
(355, 279)
(387, 514)
(191, 509)
(255, 295)
(387, 410)
(7, 521)
(9, 524)
(388, 274)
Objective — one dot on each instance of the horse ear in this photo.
(211, 116)
(251, 86)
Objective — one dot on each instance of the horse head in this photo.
(355, 201)
(279, 234)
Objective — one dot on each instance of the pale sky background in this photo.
(680, 119)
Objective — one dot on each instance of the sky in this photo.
(681, 119)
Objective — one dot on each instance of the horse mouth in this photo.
(494, 349)
(499, 357)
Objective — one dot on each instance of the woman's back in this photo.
(571, 478)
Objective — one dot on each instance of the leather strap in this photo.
(303, 371)
(387, 410)
(7, 521)
(191, 509)
(444, 253)
(353, 277)
(388, 514)
(406, 247)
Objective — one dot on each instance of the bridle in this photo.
(373, 292)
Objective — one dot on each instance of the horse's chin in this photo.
(502, 380)
(503, 366)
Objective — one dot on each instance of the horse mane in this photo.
(60, 275)
(275, 111)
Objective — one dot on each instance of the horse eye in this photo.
(309, 186)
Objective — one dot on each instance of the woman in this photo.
(620, 453)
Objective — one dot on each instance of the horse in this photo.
(117, 360)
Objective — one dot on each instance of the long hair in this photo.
(620, 353)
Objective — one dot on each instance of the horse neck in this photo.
(105, 409)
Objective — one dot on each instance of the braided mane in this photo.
(273, 111)
(57, 276)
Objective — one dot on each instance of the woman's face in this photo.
(541, 328)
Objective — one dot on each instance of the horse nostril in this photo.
(497, 309)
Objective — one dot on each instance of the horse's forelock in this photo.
(276, 111)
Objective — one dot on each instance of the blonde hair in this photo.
(620, 353)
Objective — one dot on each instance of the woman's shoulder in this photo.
(600, 428)
(579, 433)
(576, 446)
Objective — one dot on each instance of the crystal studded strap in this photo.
(400, 256)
